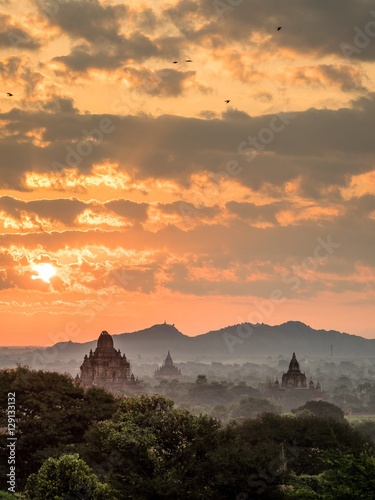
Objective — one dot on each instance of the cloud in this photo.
(165, 82)
(313, 28)
(128, 209)
(45, 214)
(316, 147)
(345, 77)
(99, 41)
(14, 36)
(85, 56)
(89, 20)
(234, 258)
(256, 213)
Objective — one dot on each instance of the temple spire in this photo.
(168, 369)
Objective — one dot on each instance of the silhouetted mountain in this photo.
(238, 343)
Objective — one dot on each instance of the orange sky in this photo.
(152, 199)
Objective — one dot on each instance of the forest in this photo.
(88, 444)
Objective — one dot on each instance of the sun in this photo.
(44, 271)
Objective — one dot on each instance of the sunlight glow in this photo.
(45, 272)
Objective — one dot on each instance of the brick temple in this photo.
(106, 368)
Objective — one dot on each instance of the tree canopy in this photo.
(52, 415)
(66, 478)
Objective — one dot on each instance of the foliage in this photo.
(52, 414)
(366, 427)
(152, 450)
(66, 478)
(299, 439)
(347, 477)
(322, 409)
(144, 447)
(252, 407)
(4, 495)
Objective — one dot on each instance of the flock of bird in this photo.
(227, 101)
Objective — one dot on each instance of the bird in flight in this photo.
(227, 101)
(278, 28)
(188, 60)
(175, 62)
(9, 94)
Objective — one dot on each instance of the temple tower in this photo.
(106, 367)
(294, 377)
(168, 369)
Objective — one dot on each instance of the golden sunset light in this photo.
(193, 147)
(44, 272)
(187, 235)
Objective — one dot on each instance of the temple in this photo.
(294, 379)
(106, 368)
(168, 369)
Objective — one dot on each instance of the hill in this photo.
(236, 343)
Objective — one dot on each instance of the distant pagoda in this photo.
(106, 368)
(294, 377)
(168, 369)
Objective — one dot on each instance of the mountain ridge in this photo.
(235, 342)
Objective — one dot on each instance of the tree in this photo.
(299, 439)
(366, 427)
(201, 379)
(322, 409)
(52, 415)
(347, 477)
(252, 407)
(66, 478)
(4, 495)
(149, 449)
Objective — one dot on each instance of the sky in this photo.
(131, 193)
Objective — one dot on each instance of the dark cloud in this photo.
(189, 211)
(15, 37)
(63, 210)
(319, 27)
(128, 209)
(66, 211)
(320, 148)
(165, 82)
(17, 70)
(89, 20)
(100, 41)
(60, 105)
(85, 56)
(347, 78)
(257, 213)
